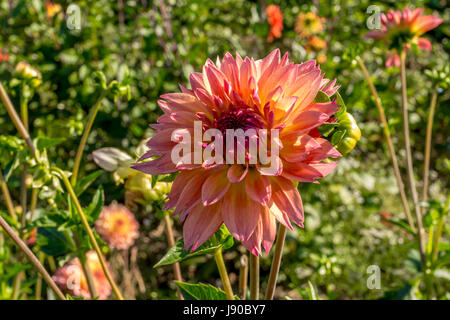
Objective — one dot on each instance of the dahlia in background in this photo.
(237, 93)
(117, 226)
(3, 56)
(275, 19)
(309, 24)
(70, 278)
(315, 44)
(52, 9)
(401, 29)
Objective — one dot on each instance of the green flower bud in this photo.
(27, 72)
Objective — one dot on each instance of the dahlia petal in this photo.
(286, 197)
(240, 213)
(258, 187)
(253, 243)
(375, 34)
(201, 223)
(304, 122)
(326, 150)
(424, 44)
(393, 60)
(324, 167)
(269, 224)
(236, 173)
(426, 23)
(215, 187)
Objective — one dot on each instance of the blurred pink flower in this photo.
(401, 29)
(237, 93)
(117, 226)
(70, 278)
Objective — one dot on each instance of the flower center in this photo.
(242, 118)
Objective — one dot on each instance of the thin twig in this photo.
(254, 277)
(243, 277)
(30, 255)
(409, 161)
(426, 169)
(171, 242)
(276, 262)
(391, 149)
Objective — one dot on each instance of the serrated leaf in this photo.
(200, 291)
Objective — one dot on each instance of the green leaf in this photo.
(400, 224)
(343, 107)
(327, 128)
(442, 273)
(45, 142)
(321, 97)
(221, 239)
(52, 242)
(85, 182)
(95, 207)
(313, 291)
(200, 291)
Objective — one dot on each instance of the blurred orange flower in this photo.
(3, 56)
(117, 226)
(308, 24)
(275, 19)
(315, 44)
(70, 278)
(52, 8)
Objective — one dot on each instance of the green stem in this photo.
(92, 114)
(30, 255)
(7, 196)
(171, 242)
(88, 274)
(439, 230)
(16, 120)
(409, 161)
(243, 277)
(223, 274)
(276, 262)
(426, 169)
(254, 277)
(86, 226)
(38, 290)
(391, 149)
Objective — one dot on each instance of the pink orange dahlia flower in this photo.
(400, 29)
(70, 278)
(117, 226)
(236, 93)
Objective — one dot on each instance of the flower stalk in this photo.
(426, 169)
(171, 242)
(243, 277)
(88, 231)
(254, 277)
(92, 114)
(276, 262)
(409, 161)
(16, 120)
(218, 257)
(391, 148)
(30, 255)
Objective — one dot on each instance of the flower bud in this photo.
(26, 71)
